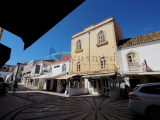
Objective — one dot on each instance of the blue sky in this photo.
(133, 17)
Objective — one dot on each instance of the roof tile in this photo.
(140, 39)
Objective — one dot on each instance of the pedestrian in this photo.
(15, 86)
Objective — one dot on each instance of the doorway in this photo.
(105, 85)
(134, 82)
(54, 85)
(48, 84)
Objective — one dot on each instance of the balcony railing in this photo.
(111, 68)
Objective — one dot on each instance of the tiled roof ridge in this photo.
(62, 59)
(142, 39)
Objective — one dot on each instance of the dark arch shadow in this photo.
(1, 79)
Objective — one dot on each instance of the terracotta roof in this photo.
(139, 39)
(64, 58)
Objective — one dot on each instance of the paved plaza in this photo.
(26, 105)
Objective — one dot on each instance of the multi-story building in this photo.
(26, 74)
(37, 70)
(7, 70)
(139, 59)
(96, 61)
(18, 72)
(54, 73)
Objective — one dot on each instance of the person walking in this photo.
(15, 86)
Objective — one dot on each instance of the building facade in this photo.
(138, 58)
(37, 70)
(26, 74)
(96, 56)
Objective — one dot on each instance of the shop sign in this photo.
(133, 66)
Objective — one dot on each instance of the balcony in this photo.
(111, 68)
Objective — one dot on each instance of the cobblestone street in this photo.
(27, 105)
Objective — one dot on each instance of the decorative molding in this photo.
(77, 51)
(95, 27)
(101, 44)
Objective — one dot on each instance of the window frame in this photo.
(103, 63)
(50, 70)
(78, 66)
(101, 37)
(78, 45)
(64, 68)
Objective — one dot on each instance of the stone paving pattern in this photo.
(35, 105)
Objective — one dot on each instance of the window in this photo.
(56, 66)
(155, 89)
(101, 37)
(78, 66)
(20, 75)
(131, 57)
(12, 68)
(103, 63)
(50, 69)
(79, 45)
(64, 68)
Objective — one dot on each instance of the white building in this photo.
(27, 71)
(3, 75)
(52, 74)
(37, 70)
(139, 59)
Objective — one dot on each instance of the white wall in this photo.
(148, 51)
(4, 74)
(58, 70)
(77, 91)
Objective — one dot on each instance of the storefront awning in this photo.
(98, 75)
(67, 76)
(49, 76)
(142, 73)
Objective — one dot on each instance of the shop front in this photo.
(131, 80)
(103, 84)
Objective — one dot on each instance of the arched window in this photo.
(131, 57)
(64, 68)
(78, 66)
(133, 61)
(79, 45)
(101, 37)
(50, 69)
(103, 63)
